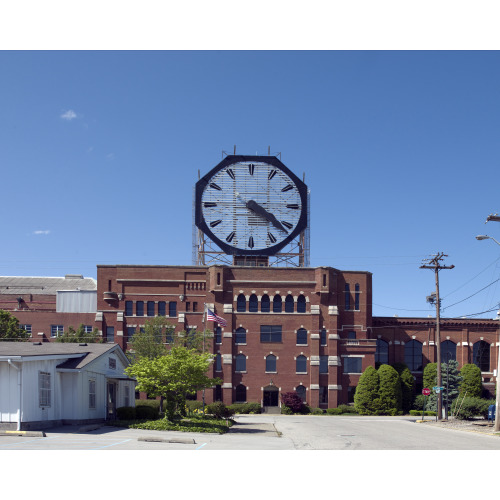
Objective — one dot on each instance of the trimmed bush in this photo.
(389, 390)
(146, 412)
(468, 408)
(219, 410)
(347, 409)
(407, 386)
(416, 413)
(471, 381)
(126, 413)
(246, 408)
(317, 411)
(285, 410)
(366, 399)
(334, 411)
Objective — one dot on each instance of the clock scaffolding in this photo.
(206, 252)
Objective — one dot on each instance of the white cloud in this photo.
(69, 115)
(41, 231)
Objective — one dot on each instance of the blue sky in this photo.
(100, 151)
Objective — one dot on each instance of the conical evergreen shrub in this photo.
(471, 381)
(390, 393)
(366, 398)
(407, 386)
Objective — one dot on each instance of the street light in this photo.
(497, 401)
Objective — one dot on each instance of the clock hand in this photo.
(259, 210)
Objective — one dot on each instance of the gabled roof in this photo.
(81, 354)
(40, 285)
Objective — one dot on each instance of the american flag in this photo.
(211, 316)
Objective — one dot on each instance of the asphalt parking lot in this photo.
(267, 432)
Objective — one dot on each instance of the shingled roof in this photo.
(40, 285)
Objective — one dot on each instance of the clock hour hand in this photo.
(259, 210)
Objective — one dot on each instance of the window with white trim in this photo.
(92, 398)
(44, 389)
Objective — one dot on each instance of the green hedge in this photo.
(468, 408)
(246, 408)
(417, 413)
(126, 413)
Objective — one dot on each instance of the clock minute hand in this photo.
(259, 210)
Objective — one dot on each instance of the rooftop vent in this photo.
(73, 277)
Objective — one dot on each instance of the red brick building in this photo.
(47, 306)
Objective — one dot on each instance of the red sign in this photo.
(426, 392)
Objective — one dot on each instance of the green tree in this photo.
(389, 391)
(9, 327)
(366, 399)
(173, 376)
(430, 375)
(149, 343)
(471, 381)
(80, 336)
(407, 386)
(451, 381)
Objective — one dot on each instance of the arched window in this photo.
(253, 304)
(241, 363)
(448, 351)
(277, 304)
(413, 355)
(301, 304)
(301, 336)
(240, 336)
(481, 355)
(240, 394)
(347, 293)
(301, 392)
(289, 304)
(356, 296)
(241, 303)
(265, 304)
(271, 363)
(301, 364)
(382, 352)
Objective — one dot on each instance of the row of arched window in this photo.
(414, 358)
(240, 364)
(277, 305)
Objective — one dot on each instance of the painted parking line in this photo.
(113, 444)
(22, 442)
(200, 447)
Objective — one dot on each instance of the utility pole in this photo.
(434, 263)
(496, 218)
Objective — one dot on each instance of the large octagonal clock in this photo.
(251, 205)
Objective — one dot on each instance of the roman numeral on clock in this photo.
(287, 188)
(287, 224)
(215, 186)
(215, 223)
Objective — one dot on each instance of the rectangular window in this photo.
(88, 329)
(129, 308)
(151, 308)
(323, 336)
(112, 363)
(92, 394)
(218, 335)
(130, 332)
(270, 333)
(323, 395)
(352, 364)
(195, 306)
(26, 328)
(172, 309)
(44, 392)
(347, 297)
(139, 308)
(188, 306)
(356, 297)
(110, 334)
(56, 330)
(162, 308)
(323, 364)
(169, 335)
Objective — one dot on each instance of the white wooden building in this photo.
(46, 384)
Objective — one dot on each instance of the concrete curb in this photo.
(23, 433)
(164, 440)
(87, 428)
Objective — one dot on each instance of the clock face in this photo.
(251, 205)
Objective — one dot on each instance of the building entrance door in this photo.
(271, 394)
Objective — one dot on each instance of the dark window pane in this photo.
(218, 335)
(289, 304)
(481, 355)
(322, 335)
(139, 308)
(265, 304)
(352, 364)
(323, 364)
(151, 308)
(241, 303)
(301, 364)
(241, 363)
(302, 336)
(301, 304)
(129, 308)
(162, 308)
(277, 304)
(413, 355)
(271, 363)
(382, 352)
(270, 333)
(347, 296)
(301, 391)
(241, 394)
(356, 297)
(448, 351)
(172, 309)
(240, 337)
(253, 304)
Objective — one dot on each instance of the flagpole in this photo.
(203, 325)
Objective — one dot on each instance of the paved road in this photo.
(268, 432)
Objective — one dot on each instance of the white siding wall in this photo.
(9, 393)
